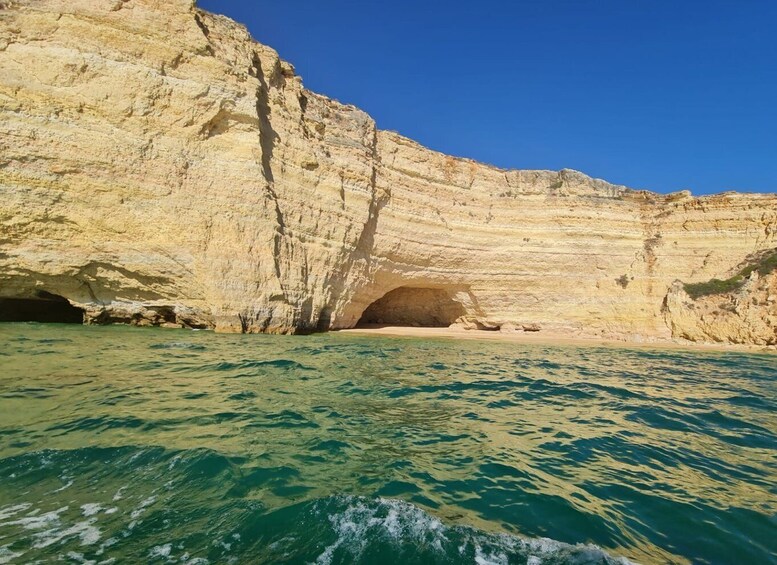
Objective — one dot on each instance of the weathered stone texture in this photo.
(747, 316)
(159, 166)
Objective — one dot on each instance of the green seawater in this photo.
(125, 445)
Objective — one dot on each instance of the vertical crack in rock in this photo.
(379, 199)
(243, 323)
(296, 309)
(280, 233)
(206, 32)
(651, 212)
(267, 140)
(201, 25)
(267, 135)
(355, 270)
(355, 260)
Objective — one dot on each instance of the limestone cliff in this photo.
(158, 166)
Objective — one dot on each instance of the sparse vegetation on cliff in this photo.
(764, 263)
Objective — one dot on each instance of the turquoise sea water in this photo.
(127, 445)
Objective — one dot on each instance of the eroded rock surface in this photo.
(158, 166)
(405, 306)
(745, 316)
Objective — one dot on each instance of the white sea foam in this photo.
(165, 551)
(6, 555)
(35, 521)
(106, 544)
(86, 531)
(8, 511)
(161, 550)
(490, 558)
(394, 519)
(398, 522)
(173, 462)
(119, 494)
(90, 509)
(197, 561)
(79, 558)
(135, 514)
(49, 529)
(63, 487)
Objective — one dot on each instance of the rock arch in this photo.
(413, 306)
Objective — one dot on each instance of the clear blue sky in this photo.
(657, 94)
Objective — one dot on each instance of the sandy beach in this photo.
(546, 338)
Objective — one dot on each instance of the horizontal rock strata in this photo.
(158, 166)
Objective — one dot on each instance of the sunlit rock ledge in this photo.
(160, 167)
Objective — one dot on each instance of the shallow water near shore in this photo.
(145, 445)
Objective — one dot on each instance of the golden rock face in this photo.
(158, 166)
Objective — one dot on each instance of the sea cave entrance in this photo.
(410, 306)
(45, 308)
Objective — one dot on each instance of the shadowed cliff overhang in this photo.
(410, 306)
(45, 308)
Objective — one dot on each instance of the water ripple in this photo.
(201, 448)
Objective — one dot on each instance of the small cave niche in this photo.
(410, 306)
(44, 308)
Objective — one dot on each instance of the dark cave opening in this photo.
(410, 306)
(44, 308)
